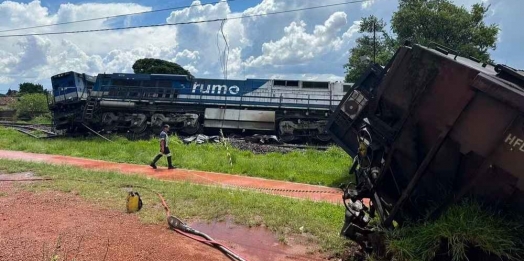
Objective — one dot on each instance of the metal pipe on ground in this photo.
(177, 225)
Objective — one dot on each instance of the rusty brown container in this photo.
(440, 126)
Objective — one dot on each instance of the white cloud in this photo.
(312, 52)
(310, 44)
(7, 61)
(87, 52)
(199, 12)
(34, 53)
(260, 46)
(367, 4)
(26, 15)
(297, 46)
(5, 79)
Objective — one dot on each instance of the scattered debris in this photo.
(200, 138)
(264, 139)
(258, 144)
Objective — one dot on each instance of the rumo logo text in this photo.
(215, 89)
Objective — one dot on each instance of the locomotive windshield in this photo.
(70, 85)
(64, 86)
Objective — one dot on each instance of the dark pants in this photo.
(167, 153)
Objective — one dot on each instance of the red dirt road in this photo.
(35, 226)
(31, 225)
(283, 188)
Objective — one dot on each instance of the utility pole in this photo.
(374, 40)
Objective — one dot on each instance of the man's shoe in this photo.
(169, 163)
(152, 165)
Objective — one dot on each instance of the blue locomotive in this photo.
(140, 103)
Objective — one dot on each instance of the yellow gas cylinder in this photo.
(134, 202)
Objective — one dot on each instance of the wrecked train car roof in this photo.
(499, 81)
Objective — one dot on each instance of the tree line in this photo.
(29, 101)
(423, 22)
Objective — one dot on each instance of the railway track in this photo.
(26, 124)
(33, 130)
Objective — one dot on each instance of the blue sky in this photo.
(302, 45)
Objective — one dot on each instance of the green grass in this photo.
(283, 216)
(461, 228)
(42, 119)
(327, 168)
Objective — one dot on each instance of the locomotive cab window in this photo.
(315, 85)
(292, 83)
(280, 83)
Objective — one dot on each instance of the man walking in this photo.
(164, 148)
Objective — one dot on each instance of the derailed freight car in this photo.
(425, 131)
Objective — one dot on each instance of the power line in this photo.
(113, 16)
(18, 76)
(183, 23)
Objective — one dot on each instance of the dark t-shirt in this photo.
(165, 137)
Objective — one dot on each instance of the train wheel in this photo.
(138, 132)
(193, 130)
(287, 138)
(286, 131)
(323, 137)
(139, 129)
(156, 130)
(144, 135)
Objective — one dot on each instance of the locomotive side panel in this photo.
(239, 119)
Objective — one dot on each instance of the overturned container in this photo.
(428, 129)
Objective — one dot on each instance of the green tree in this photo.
(28, 87)
(151, 65)
(32, 104)
(11, 92)
(423, 22)
(442, 22)
(381, 49)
